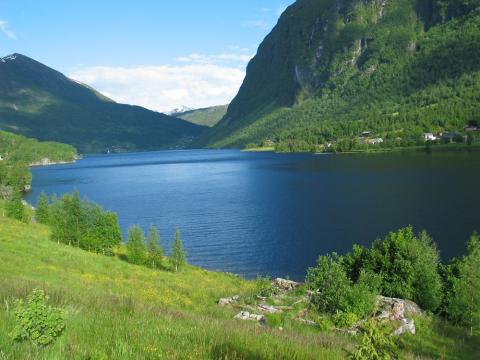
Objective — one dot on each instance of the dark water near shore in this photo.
(265, 213)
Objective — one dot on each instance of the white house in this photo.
(429, 137)
(376, 141)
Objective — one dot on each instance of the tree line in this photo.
(81, 223)
(402, 265)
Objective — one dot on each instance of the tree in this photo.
(136, 249)
(409, 267)
(42, 213)
(155, 251)
(330, 283)
(177, 254)
(16, 209)
(464, 304)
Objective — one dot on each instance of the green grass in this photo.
(121, 311)
(115, 310)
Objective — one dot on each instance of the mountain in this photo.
(331, 69)
(206, 117)
(40, 102)
(179, 110)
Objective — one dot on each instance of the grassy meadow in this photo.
(115, 310)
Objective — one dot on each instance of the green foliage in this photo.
(81, 223)
(344, 320)
(335, 293)
(16, 209)
(464, 300)
(42, 212)
(154, 248)
(376, 344)
(325, 74)
(177, 253)
(18, 152)
(36, 321)
(136, 248)
(407, 265)
(264, 287)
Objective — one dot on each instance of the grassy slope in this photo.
(205, 117)
(117, 310)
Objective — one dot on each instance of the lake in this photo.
(266, 213)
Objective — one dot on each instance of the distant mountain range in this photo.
(40, 102)
(206, 116)
(331, 69)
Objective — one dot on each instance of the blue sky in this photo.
(159, 54)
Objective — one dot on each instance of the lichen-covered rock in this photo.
(247, 316)
(285, 285)
(268, 309)
(228, 301)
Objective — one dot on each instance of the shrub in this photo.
(264, 287)
(36, 321)
(376, 344)
(344, 320)
(16, 210)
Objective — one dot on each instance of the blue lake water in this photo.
(265, 213)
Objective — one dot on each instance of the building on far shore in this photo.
(472, 128)
(429, 137)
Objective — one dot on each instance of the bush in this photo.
(344, 320)
(376, 344)
(16, 210)
(408, 265)
(36, 321)
(335, 292)
(264, 287)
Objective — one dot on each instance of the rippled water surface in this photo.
(265, 213)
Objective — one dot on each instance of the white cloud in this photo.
(4, 28)
(232, 57)
(165, 87)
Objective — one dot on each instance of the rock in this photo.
(408, 326)
(395, 309)
(245, 315)
(228, 301)
(268, 309)
(308, 322)
(284, 284)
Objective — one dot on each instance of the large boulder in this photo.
(398, 311)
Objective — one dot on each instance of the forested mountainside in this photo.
(332, 69)
(40, 102)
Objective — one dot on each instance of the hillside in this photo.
(161, 314)
(155, 314)
(40, 102)
(332, 69)
(206, 117)
(18, 152)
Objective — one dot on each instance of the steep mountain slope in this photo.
(333, 68)
(40, 102)
(207, 116)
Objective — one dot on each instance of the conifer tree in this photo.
(155, 250)
(177, 255)
(136, 249)
(42, 213)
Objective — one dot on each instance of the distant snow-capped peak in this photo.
(8, 58)
(179, 110)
